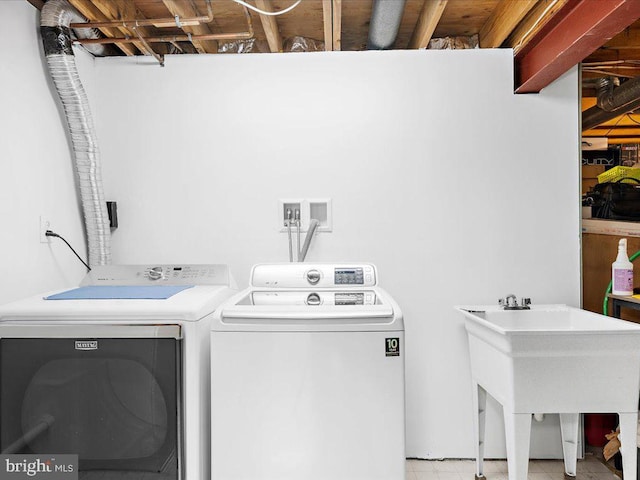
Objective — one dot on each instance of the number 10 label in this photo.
(392, 347)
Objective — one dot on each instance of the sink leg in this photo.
(629, 447)
(569, 423)
(518, 436)
(479, 407)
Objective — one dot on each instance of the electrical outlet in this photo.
(45, 225)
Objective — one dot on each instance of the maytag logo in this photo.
(86, 344)
(51, 467)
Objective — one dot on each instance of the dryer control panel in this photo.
(316, 275)
(183, 274)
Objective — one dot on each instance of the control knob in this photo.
(313, 299)
(313, 276)
(155, 273)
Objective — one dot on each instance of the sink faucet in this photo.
(511, 303)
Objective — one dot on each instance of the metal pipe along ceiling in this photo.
(386, 16)
(175, 21)
(612, 102)
(56, 17)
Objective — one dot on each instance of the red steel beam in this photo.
(582, 27)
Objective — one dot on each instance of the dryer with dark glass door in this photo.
(117, 381)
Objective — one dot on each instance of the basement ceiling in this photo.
(337, 24)
(548, 36)
(619, 58)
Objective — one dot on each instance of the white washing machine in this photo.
(307, 370)
(115, 372)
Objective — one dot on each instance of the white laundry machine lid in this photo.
(310, 297)
(259, 310)
(212, 284)
(354, 306)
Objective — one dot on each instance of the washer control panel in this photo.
(317, 275)
(183, 274)
(313, 276)
(353, 298)
(306, 297)
(349, 276)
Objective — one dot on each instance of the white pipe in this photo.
(313, 225)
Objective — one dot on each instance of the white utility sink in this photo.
(553, 359)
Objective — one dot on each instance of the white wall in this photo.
(36, 169)
(459, 190)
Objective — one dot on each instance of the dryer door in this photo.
(114, 402)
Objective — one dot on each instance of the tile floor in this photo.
(591, 468)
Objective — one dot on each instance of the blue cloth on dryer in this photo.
(120, 292)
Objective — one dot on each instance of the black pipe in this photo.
(612, 102)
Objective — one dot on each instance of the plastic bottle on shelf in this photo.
(622, 271)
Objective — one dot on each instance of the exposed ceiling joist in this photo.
(188, 10)
(270, 26)
(507, 15)
(427, 22)
(124, 10)
(337, 24)
(582, 27)
(535, 20)
(327, 22)
(332, 21)
(90, 11)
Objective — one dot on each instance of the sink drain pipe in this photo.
(56, 17)
(605, 303)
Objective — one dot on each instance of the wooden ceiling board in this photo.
(336, 25)
(229, 17)
(305, 20)
(412, 9)
(189, 10)
(603, 64)
(630, 36)
(270, 26)
(615, 130)
(537, 19)
(623, 47)
(504, 19)
(427, 22)
(620, 122)
(356, 15)
(153, 9)
(125, 10)
(89, 10)
(464, 17)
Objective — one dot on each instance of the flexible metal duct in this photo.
(56, 17)
(612, 98)
(386, 16)
(612, 102)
